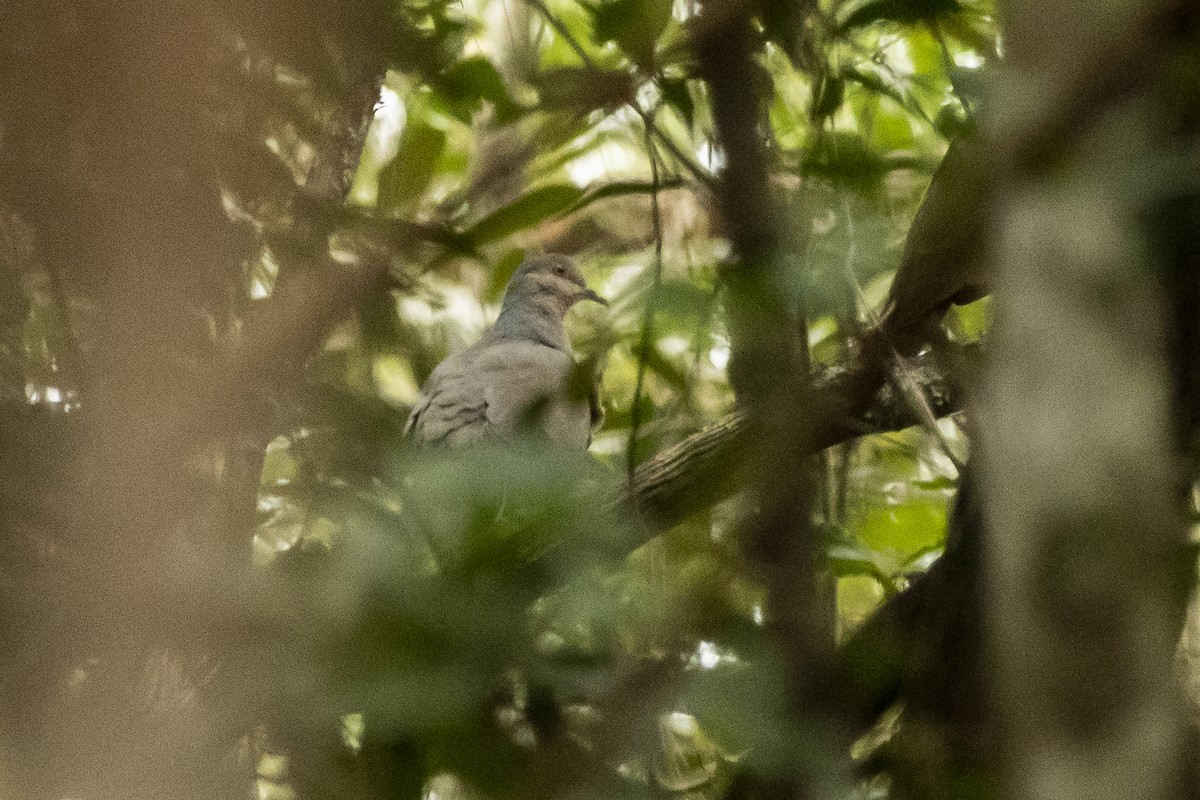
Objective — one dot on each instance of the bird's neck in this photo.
(535, 319)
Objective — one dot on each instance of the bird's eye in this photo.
(559, 269)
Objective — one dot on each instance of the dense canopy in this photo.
(891, 491)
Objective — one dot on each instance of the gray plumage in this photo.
(519, 375)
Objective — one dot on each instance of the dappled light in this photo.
(559, 399)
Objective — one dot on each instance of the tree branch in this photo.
(704, 468)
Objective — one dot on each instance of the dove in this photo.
(944, 260)
(519, 375)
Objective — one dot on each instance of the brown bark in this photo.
(706, 467)
(125, 521)
(1085, 539)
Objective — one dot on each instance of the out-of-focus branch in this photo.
(768, 371)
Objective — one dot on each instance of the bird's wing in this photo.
(451, 410)
(942, 261)
(497, 389)
(529, 386)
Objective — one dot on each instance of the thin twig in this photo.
(899, 373)
(564, 32)
(706, 179)
(949, 65)
(651, 302)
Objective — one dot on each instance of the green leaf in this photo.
(622, 188)
(660, 365)
(504, 270)
(848, 160)
(462, 87)
(675, 91)
(970, 322)
(905, 530)
(611, 19)
(903, 11)
(683, 299)
(845, 560)
(881, 82)
(634, 25)
(525, 212)
(403, 180)
(937, 484)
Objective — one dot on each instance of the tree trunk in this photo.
(127, 130)
(1083, 504)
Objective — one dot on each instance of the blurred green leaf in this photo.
(403, 180)
(677, 95)
(683, 299)
(612, 189)
(902, 11)
(902, 531)
(848, 160)
(845, 560)
(882, 82)
(970, 322)
(504, 270)
(467, 83)
(634, 25)
(941, 482)
(660, 365)
(527, 211)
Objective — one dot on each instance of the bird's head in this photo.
(550, 279)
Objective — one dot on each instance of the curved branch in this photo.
(705, 468)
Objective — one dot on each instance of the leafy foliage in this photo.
(490, 624)
(509, 583)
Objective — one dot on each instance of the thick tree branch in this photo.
(923, 645)
(704, 468)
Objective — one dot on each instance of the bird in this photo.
(520, 376)
(944, 260)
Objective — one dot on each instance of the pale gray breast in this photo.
(495, 390)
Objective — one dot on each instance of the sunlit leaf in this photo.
(970, 322)
(903, 11)
(902, 531)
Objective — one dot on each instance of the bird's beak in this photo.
(588, 294)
